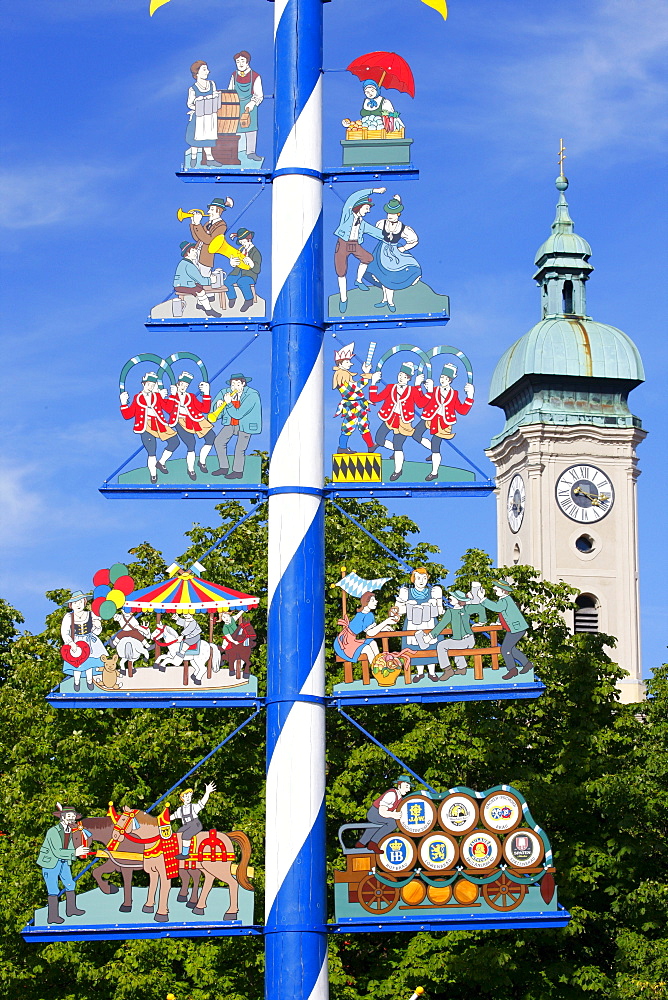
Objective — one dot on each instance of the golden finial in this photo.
(562, 157)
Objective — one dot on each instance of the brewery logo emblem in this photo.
(397, 853)
(437, 852)
(523, 849)
(417, 815)
(480, 850)
(458, 813)
(501, 812)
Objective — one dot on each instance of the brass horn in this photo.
(220, 245)
(181, 215)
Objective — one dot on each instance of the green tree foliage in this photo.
(593, 771)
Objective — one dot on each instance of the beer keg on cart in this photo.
(226, 149)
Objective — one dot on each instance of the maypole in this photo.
(296, 943)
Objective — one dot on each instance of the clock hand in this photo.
(595, 498)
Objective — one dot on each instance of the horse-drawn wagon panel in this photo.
(215, 894)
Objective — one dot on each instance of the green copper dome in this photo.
(562, 345)
(568, 369)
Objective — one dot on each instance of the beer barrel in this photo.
(439, 895)
(228, 113)
(465, 892)
(414, 892)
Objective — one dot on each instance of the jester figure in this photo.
(353, 406)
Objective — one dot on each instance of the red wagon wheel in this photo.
(376, 897)
(502, 894)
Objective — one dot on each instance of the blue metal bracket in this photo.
(356, 323)
(227, 177)
(190, 698)
(259, 491)
(388, 752)
(366, 173)
(377, 491)
(128, 932)
(436, 695)
(457, 922)
(203, 491)
(209, 325)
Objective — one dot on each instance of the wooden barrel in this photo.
(414, 892)
(439, 896)
(465, 892)
(228, 113)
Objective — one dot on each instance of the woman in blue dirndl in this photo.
(393, 265)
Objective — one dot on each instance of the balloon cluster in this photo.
(112, 587)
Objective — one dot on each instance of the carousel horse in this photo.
(165, 635)
(136, 841)
(237, 647)
(131, 641)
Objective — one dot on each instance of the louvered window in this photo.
(586, 614)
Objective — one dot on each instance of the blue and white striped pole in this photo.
(295, 942)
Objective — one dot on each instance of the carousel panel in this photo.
(183, 641)
(459, 860)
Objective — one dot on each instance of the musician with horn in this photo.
(240, 409)
(244, 278)
(189, 280)
(204, 234)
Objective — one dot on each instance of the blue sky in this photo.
(93, 122)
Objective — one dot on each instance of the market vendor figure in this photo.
(55, 857)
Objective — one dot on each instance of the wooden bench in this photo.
(477, 652)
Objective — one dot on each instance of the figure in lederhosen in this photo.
(187, 415)
(151, 415)
(383, 814)
(188, 812)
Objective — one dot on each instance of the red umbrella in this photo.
(387, 69)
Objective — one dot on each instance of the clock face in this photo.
(584, 493)
(516, 503)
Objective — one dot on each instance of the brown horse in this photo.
(159, 859)
(131, 859)
(141, 836)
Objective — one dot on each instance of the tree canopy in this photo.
(593, 771)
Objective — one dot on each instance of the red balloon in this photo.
(124, 583)
(101, 577)
(97, 604)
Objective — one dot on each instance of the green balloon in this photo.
(118, 569)
(107, 610)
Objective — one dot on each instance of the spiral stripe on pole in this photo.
(295, 901)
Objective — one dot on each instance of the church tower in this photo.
(566, 460)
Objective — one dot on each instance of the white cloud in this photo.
(593, 73)
(33, 198)
(22, 506)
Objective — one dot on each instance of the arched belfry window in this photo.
(586, 613)
(567, 297)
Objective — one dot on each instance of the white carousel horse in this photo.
(127, 642)
(199, 660)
